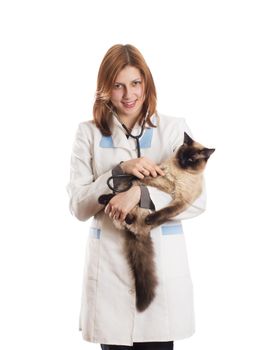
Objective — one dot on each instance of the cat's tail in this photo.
(140, 255)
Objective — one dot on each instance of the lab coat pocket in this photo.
(93, 252)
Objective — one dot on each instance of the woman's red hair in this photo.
(117, 58)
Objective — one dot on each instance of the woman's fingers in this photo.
(141, 167)
(159, 171)
(144, 171)
(122, 216)
(121, 204)
(118, 215)
(113, 212)
(150, 169)
(107, 209)
(138, 174)
(153, 169)
(115, 216)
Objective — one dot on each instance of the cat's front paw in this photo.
(130, 218)
(105, 198)
(150, 219)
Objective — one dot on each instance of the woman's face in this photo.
(128, 92)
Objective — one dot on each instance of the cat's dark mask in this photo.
(192, 155)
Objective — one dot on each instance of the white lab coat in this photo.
(108, 314)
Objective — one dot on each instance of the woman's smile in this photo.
(129, 105)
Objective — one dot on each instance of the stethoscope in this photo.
(137, 139)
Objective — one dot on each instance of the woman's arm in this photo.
(121, 204)
(83, 189)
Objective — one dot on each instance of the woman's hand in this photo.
(141, 167)
(121, 204)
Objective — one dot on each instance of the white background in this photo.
(204, 56)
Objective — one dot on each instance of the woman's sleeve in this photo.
(161, 199)
(83, 189)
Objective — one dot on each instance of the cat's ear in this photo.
(207, 152)
(187, 139)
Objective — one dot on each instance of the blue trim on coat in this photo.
(172, 229)
(146, 139)
(106, 142)
(94, 232)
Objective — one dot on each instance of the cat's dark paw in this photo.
(130, 218)
(150, 219)
(105, 198)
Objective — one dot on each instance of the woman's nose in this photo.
(127, 93)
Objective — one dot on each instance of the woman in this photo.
(125, 96)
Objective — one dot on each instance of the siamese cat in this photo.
(183, 180)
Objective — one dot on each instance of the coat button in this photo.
(131, 291)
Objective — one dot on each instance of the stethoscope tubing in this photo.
(127, 176)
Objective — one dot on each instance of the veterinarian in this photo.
(105, 147)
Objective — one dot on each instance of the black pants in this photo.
(166, 345)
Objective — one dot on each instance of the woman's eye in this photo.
(117, 86)
(136, 82)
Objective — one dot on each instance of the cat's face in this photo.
(192, 155)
